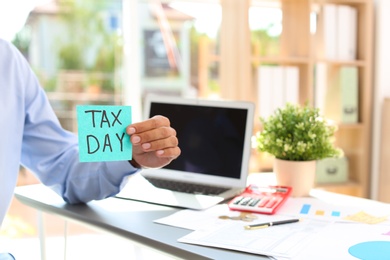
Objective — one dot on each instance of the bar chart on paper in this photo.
(309, 209)
(356, 215)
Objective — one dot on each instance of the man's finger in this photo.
(152, 123)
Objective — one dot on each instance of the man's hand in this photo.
(154, 142)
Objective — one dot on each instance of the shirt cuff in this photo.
(120, 170)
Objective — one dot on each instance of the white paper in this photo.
(316, 232)
(336, 241)
(280, 241)
(207, 219)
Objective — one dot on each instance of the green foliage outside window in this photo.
(89, 37)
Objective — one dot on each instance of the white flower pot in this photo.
(299, 175)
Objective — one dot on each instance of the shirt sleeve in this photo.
(52, 152)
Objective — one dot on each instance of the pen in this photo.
(269, 224)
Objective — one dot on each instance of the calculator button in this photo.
(271, 203)
(274, 201)
(237, 200)
(264, 201)
(254, 202)
(245, 201)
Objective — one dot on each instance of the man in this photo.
(31, 135)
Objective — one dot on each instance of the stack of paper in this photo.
(325, 231)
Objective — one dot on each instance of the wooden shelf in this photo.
(349, 188)
(357, 63)
(300, 47)
(281, 60)
(384, 163)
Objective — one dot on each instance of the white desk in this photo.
(131, 220)
(134, 220)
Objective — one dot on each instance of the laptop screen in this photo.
(213, 136)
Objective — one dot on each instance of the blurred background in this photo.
(118, 51)
(113, 52)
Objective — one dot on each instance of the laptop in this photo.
(215, 141)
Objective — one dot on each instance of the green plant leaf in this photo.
(297, 133)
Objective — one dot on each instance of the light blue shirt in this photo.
(31, 135)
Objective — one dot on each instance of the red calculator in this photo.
(265, 200)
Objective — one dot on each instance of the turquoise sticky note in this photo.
(102, 133)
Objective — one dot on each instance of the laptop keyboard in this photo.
(186, 187)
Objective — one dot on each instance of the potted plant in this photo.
(297, 136)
